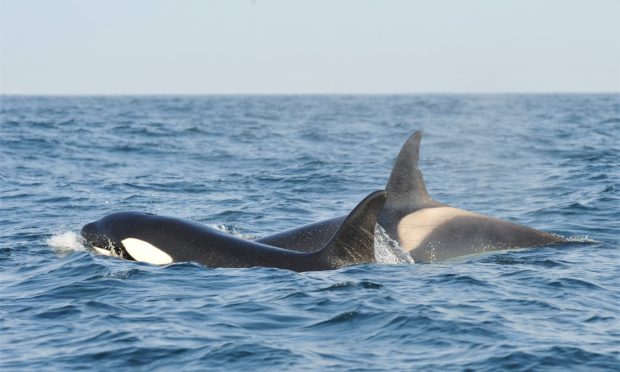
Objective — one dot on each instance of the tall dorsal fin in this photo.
(406, 188)
(353, 243)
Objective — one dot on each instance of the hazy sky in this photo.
(336, 46)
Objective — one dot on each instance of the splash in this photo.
(66, 242)
(387, 250)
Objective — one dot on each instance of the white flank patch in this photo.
(145, 252)
(103, 252)
(415, 227)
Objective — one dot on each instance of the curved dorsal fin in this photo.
(353, 243)
(406, 181)
(406, 186)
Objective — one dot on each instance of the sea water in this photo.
(255, 165)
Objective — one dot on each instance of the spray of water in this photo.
(66, 242)
(387, 250)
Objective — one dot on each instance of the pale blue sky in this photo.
(268, 46)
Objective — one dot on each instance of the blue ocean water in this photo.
(255, 165)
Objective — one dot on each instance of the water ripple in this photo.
(256, 165)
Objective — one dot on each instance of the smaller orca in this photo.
(162, 240)
(428, 230)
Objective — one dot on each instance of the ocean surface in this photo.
(255, 165)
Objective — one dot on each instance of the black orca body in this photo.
(428, 230)
(161, 240)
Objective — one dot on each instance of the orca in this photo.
(430, 231)
(162, 240)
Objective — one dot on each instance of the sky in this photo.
(73, 47)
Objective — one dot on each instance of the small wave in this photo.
(573, 283)
(460, 280)
(354, 285)
(610, 121)
(66, 242)
(510, 259)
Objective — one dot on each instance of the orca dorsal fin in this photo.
(353, 242)
(406, 188)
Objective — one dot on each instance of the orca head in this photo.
(110, 234)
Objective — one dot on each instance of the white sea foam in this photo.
(66, 242)
(387, 250)
(581, 239)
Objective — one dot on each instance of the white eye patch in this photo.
(145, 252)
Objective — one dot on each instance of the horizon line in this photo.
(135, 94)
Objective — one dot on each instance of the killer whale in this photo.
(430, 231)
(162, 240)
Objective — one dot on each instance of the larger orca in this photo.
(162, 240)
(430, 231)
